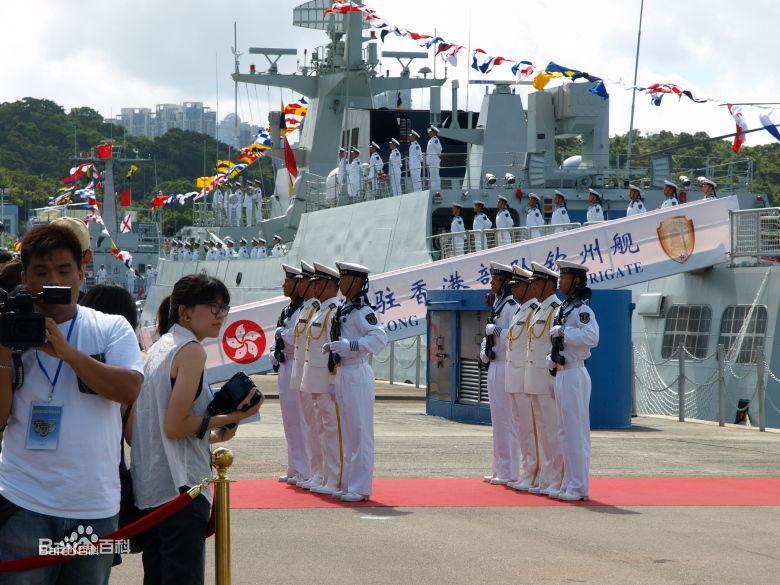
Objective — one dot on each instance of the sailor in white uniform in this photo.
(282, 356)
(238, 204)
(708, 188)
(262, 248)
(102, 275)
(151, 276)
(506, 452)
(356, 334)
(222, 251)
(217, 205)
(341, 175)
(595, 211)
(277, 249)
(538, 386)
(320, 382)
(457, 227)
(249, 205)
(635, 203)
(195, 252)
(130, 277)
(670, 194)
(211, 251)
(354, 174)
(504, 222)
(560, 214)
(415, 161)
(185, 251)
(253, 250)
(242, 251)
(173, 255)
(311, 305)
(481, 222)
(575, 326)
(375, 167)
(516, 362)
(433, 158)
(394, 167)
(231, 252)
(534, 217)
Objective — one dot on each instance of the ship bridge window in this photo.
(732, 322)
(688, 325)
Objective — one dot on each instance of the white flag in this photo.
(127, 225)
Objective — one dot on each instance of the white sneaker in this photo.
(352, 497)
(521, 486)
(551, 493)
(499, 481)
(313, 482)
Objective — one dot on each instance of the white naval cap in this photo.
(534, 196)
(307, 270)
(520, 274)
(355, 150)
(243, 241)
(375, 145)
(277, 237)
(498, 269)
(256, 241)
(456, 204)
(540, 270)
(322, 271)
(414, 133)
(633, 187)
(229, 240)
(433, 128)
(261, 241)
(594, 192)
(559, 193)
(342, 149)
(569, 266)
(394, 141)
(706, 181)
(291, 271)
(479, 202)
(670, 184)
(351, 269)
(504, 199)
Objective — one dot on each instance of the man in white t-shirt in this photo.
(60, 457)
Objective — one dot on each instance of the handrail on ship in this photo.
(755, 233)
(448, 244)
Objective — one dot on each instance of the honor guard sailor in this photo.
(504, 222)
(534, 217)
(356, 334)
(481, 222)
(282, 356)
(595, 210)
(242, 251)
(635, 203)
(506, 456)
(415, 161)
(355, 174)
(433, 158)
(516, 357)
(394, 167)
(670, 194)
(457, 227)
(319, 381)
(311, 422)
(262, 248)
(560, 214)
(277, 249)
(574, 334)
(375, 166)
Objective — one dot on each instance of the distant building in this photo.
(236, 133)
(191, 116)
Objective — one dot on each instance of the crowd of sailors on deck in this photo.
(238, 204)
(560, 216)
(222, 249)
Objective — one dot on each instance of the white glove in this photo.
(278, 333)
(340, 346)
(489, 328)
(325, 348)
(556, 331)
(549, 363)
(482, 357)
(274, 361)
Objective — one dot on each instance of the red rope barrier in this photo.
(124, 533)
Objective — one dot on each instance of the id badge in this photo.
(45, 424)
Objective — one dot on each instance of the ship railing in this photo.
(447, 244)
(730, 176)
(755, 232)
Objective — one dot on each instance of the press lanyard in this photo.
(59, 365)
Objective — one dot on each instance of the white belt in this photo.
(353, 361)
(571, 365)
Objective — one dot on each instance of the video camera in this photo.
(21, 327)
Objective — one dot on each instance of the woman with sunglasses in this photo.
(172, 430)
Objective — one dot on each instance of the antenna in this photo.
(633, 91)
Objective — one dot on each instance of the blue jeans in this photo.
(19, 539)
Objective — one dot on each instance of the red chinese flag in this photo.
(125, 198)
(289, 159)
(104, 151)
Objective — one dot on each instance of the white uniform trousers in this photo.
(229, 209)
(329, 439)
(458, 243)
(549, 453)
(355, 397)
(572, 396)
(295, 429)
(506, 457)
(416, 176)
(435, 179)
(237, 214)
(503, 238)
(525, 427)
(313, 436)
(395, 180)
(249, 213)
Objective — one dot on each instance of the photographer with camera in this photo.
(574, 334)
(172, 427)
(64, 372)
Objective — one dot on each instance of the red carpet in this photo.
(471, 492)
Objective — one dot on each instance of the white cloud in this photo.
(113, 54)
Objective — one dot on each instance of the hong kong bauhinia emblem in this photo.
(677, 237)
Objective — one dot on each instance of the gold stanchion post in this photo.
(222, 459)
